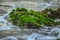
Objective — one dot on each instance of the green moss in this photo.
(58, 38)
(54, 14)
(31, 19)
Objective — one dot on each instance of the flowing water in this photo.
(8, 31)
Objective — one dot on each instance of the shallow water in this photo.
(10, 32)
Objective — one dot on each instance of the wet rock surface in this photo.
(12, 38)
(5, 6)
(8, 32)
(2, 12)
(12, 32)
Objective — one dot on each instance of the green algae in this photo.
(58, 38)
(29, 18)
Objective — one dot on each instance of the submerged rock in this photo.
(2, 11)
(12, 32)
(12, 38)
(54, 33)
(5, 6)
(16, 32)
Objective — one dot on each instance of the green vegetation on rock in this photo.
(52, 13)
(30, 18)
(58, 38)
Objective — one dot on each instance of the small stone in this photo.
(54, 33)
(12, 32)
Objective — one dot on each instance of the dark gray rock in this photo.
(12, 32)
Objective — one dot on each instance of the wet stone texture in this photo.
(33, 34)
(12, 38)
(4, 9)
(16, 32)
(2, 12)
(5, 33)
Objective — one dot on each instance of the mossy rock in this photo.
(54, 14)
(58, 38)
(30, 18)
